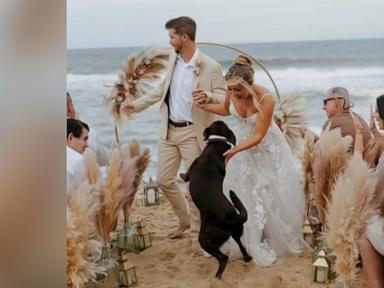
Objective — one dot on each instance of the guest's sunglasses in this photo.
(328, 99)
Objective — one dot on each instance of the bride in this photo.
(260, 169)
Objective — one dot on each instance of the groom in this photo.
(191, 75)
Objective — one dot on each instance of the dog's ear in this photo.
(206, 133)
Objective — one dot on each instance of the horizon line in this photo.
(238, 43)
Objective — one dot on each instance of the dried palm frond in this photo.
(110, 199)
(307, 162)
(134, 148)
(290, 116)
(348, 214)
(120, 187)
(331, 155)
(82, 250)
(128, 172)
(141, 163)
(139, 75)
(113, 180)
(92, 169)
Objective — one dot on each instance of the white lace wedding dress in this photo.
(269, 185)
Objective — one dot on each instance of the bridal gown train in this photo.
(267, 181)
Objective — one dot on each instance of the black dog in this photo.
(219, 218)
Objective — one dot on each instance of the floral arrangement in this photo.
(139, 75)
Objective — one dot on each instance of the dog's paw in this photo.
(247, 258)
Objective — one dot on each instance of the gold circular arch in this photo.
(246, 54)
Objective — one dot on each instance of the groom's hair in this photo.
(183, 25)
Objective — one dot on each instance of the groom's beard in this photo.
(177, 49)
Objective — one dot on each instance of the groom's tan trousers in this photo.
(179, 146)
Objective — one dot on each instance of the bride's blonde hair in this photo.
(242, 72)
(242, 67)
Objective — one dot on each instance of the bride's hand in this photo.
(199, 98)
(229, 154)
(199, 104)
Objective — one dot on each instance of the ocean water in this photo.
(309, 68)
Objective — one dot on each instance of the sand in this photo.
(177, 263)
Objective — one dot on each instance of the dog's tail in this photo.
(239, 206)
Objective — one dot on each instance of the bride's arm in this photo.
(263, 122)
(216, 108)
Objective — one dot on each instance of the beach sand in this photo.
(177, 263)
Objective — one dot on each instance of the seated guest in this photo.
(77, 142)
(337, 104)
(379, 115)
(375, 146)
(372, 241)
(102, 153)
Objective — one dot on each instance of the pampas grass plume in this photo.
(348, 214)
(82, 207)
(331, 155)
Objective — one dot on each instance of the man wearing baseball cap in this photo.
(337, 104)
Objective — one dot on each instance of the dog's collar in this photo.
(218, 138)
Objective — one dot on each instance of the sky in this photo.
(126, 23)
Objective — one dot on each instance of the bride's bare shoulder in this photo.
(260, 90)
(261, 93)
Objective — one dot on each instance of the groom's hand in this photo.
(127, 109)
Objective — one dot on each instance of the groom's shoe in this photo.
(179, 232)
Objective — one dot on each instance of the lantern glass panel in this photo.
(129, 278)
(308, 237)
(143, 241)
(151, 196)
(321, 275)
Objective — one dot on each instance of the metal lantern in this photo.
(134, 237)
(151, 193)
(110, 279)
(308, 234)
(126, 238)
(320, 245)
(141, 200)
(142, 239)
(128, 276)
(321, 269)
(316, 226)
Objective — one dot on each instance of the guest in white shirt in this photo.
(102, 153)
(77, 142)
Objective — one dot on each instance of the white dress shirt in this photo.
(75, 165)
(76, 170)
(180, 99)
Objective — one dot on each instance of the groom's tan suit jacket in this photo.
(207, 77)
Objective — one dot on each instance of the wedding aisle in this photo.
(175, 263)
